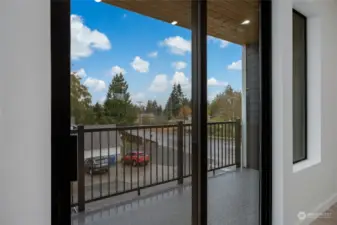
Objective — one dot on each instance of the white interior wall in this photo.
(25, 103)
(310, 186)
(25, 142)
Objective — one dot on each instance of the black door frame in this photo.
(60, 112)
(199, 112)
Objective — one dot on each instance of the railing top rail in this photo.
(135, 127)
(221, 122)
(126, 128)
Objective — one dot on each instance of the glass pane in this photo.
(131, 89)
(299, 87)
(234, 103)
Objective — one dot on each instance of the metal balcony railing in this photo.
(117, 160)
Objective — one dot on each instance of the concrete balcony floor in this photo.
(233, 199)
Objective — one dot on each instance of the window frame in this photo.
(60, 36)
(305, 125)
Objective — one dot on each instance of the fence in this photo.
(168, 147)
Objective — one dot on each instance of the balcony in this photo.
(233, 199)
(147, 169)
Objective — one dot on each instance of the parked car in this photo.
(136, 158)
(96, 165)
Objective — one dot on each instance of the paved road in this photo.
(218, 149)
(121, 178)
(162, 167)
(170, 139)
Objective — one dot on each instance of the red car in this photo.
(136, 158)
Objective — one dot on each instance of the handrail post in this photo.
(238, 143)
(80, 169)
(180, 153)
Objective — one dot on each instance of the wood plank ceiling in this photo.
(224, 16)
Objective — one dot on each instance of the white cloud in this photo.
(211, 96)
(101, 100)
(153, 54)
(179, 65)
(159, 83)
(214, 82)
(117, 70)
(235, 65)
(84, 40)
(81, 73)
(211, 38)
(137, 97)
(180, 78)
(177, 45)
(222, 43)
(140, 65)
(95, 84)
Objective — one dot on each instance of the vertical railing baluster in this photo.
(117, 137)
(131, 146)
(109, 158)
(218, 147)
(238, 143)
(180, 153)
(100, 163)
(225, 143)
(150, 155)
(162, 154)
(138, 161)
(92, 163)
(144, 144)
(184, 150)
(156, 154)
(174, 149)
(222, 143)
(229, 143)
(233, 143)
(81, 173)
(189, 150)
(168, 153)
(209, 146)
(214, 147)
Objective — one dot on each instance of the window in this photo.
(299, 87)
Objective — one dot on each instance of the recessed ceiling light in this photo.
(98, 0)
(245, 22)
(174, 22)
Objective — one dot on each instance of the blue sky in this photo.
(152, 54)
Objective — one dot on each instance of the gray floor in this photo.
(233, 200)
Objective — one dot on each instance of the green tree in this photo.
(80, 100)
(226, 105)
(159, 110)
(187, 102)
(100, 117)
(153, 107)
(174, 102)
(117, 106)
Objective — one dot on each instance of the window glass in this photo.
(299, 87)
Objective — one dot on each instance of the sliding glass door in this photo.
(231, 122)
(168, 105)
